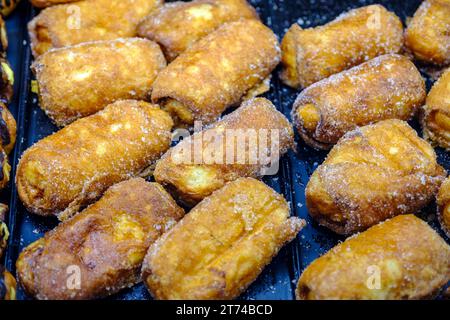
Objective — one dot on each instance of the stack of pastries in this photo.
(136, 72)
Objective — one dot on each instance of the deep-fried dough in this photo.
(373, 173)
(310, 55)
(6, 81)
(443, 204)
(5, 169)
(78, 81)
(7, 129)
(4, 232)
(223, 152)
(177, 25)
(48, 3)
(75, 165)
(7, 285)
(106, 243)
(88, 20)
(435, 116)
(402, 258)
(217, 71)
(222, 245)
(386, 87)
(428, 33)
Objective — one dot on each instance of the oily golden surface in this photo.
(4, 232)
(88, 20)
(5, 169)
(443, 202)
(217, 71)
(373, 173)
(78, 81)
(48, 3)
(178, 25)
(193, 176)
(107, 242)
(386, 87)
(435, 115)
(428, 32)
(75, 165)
(310, 55)
(8, 129)
(412, 262)
(222, 245)
(8, 285)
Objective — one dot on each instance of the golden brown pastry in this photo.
(428, 32)
(48, 3)
(443, 202)
(178, 25)
(244, 143)
(401, 258)
(386, 87)
(7, 285)
(310, 55)
(4, 232)
(5, 169)
(87, 20)
(6, 81)
(75, 165)
(217, 72)
(7, 6)
(373, 173)
(78, 81)
(102, 247)
(435, 116)
(222, 245)
(8, 129)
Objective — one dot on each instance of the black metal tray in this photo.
(279, 279)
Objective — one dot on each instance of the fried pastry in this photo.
(88, 20)
(373, 173)
(8, 129)
(5, 169)
(443, 203)
(435, 114)
(8, 285)
(217, 72)
(75, 165)
(4, 232)
(48, 3)
(310, 55)
(78, 81)
(222, 245)
(428, 32)
(386, 87)
(401, 258)
(242, 144)
(178, 25)
(103, 246)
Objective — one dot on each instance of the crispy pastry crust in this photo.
(427, 35)
(386, 87)
(435, 114)
(194, 177)
(107, 242)
(409, 257)
(222, 245)
(178, 25)
(75, 165)
(373, 173)
(218, 70)
(88, 20)
(4, 232)
(310, 55)
(8, 129)
(8, 285)
(78, 81)
(48, 3)
(443, 209)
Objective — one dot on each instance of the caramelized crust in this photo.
(75, 165)
(217, 71)
(386, 87)
(222, 245)
(78, 81)
(4, 232)
(48, 3)
(373, 173)
(8, 129)
(310, 55)
(106, 243)
(223, 152)
(443, 202)
(428, 33)
(178, 25)
(87, 20)
(401, 258)
(435, 116)
(8, 285)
